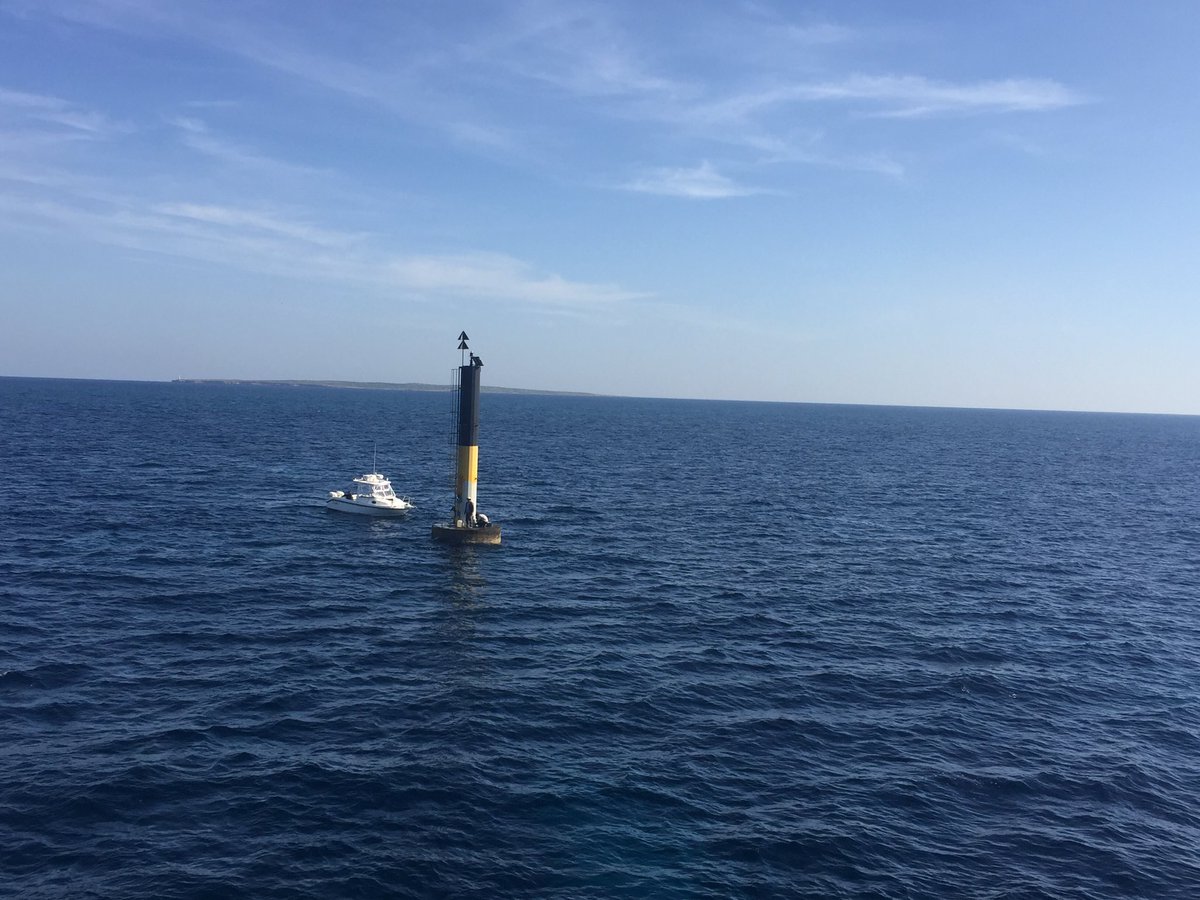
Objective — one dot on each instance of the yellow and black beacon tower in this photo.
(467, 525)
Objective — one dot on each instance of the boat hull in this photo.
(366, 509)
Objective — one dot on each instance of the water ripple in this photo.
(727, 650)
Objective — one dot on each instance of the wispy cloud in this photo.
(267, 241)
(497, 276)
(197, 136)
(877, 163)
(895, 96)
(478, 134)
(257, 221)
(577, 49)
(776, 27)
(526, 82)
(1017, 142)
(703, 182)
(751, 101)
(817, 34)
(910, 96)
(73, 121)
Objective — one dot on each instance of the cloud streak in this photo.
(72, 121)
(493, 275)
(728, 79)
(577, 50)
(910, 96)
(197, 136)
(266, 241)
(891, 96)
(255, 221)
(702, 182)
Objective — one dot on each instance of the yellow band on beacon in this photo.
(468, 464)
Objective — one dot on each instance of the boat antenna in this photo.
(374, 455)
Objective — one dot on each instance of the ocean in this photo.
(727, 650)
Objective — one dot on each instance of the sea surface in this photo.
(725, 650)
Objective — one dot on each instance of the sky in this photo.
(919, 203)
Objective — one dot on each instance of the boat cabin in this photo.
(371, 486)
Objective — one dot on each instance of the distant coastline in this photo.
(372, 385)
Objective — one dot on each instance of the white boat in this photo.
(369, 495)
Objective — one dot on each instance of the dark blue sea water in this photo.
(725, 650)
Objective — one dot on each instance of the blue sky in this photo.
(933, 203)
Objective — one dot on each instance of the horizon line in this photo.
(421, 386)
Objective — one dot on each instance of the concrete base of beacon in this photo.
(464, 534)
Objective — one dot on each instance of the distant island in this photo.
(373, 385)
